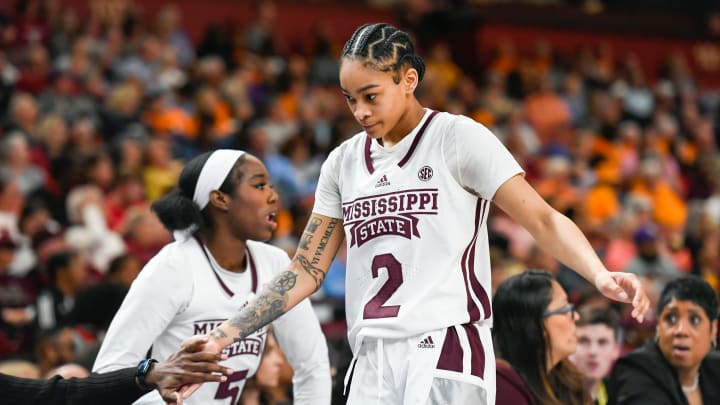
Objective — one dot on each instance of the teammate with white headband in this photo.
(223, 205)
(220, 161)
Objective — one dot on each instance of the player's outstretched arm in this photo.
(559, 236)
(317, 248)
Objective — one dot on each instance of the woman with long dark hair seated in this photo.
(534, 333)
(680, 366)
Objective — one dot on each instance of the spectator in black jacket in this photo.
(67, 272)
(120, 387)
(681, 367)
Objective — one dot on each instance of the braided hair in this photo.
(384, 48)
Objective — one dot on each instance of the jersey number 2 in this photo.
(224, 390)
(375, 308)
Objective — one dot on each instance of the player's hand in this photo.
(189, 366)
(207, 345)
(624, 287)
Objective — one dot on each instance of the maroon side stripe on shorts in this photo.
(451, 356)
(477, 360)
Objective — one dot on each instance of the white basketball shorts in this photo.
(452, 366)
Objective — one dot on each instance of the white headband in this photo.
(213, 174)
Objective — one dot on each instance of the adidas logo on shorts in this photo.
(426, 343)
(382, 182)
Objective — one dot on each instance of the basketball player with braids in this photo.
(411, 194)
(222, 206)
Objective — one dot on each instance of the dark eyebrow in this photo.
(693, 311)
(259, 175)
(362, 89)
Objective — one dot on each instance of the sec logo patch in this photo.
(425, 173)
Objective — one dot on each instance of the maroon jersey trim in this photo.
(368, 161)
(228, 291)
(474, 282)
(408, 155)
(416, 141)
(468, 270)
(253, 270)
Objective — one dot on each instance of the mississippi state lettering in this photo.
(251, 345)
(388, 214)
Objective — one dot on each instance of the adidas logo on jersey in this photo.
(382, 182)
(427, 343)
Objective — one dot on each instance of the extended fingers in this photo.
(640, 302)
(198, 377)
(205, 362)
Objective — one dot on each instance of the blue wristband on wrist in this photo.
(142, 369)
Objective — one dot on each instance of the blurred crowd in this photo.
(99, 112)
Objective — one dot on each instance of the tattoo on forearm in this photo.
(305, 240)
(313, 224)
(317, 274)
(268, 306)
(324, 240)
(309, 232)
(218, 334)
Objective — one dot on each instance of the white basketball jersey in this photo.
(417, 243)
(214, 296)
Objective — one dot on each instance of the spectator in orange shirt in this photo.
(505, 60)
(669, 208)
(547, 111)
(213, 124)
(601, 203)
(556, 187)
(162, 117)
